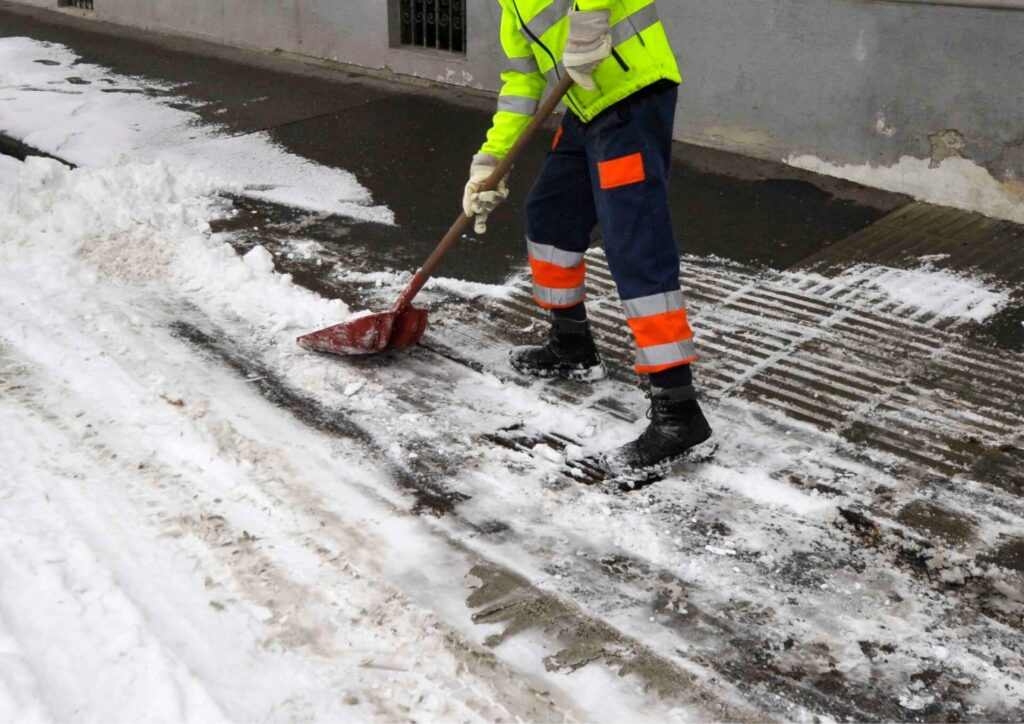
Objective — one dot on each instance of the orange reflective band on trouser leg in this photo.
(556, 277)
(663, 335)
(558, 138)
(621, 171)
(661, 329)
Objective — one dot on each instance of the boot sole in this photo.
(630, 478)
(587, 376)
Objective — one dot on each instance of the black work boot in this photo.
(570, 354)
(677, 427)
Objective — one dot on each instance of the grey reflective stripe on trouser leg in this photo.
(559, 297)
(666, 354)
(522, 65)
(554, 255)
(654, 304)
(518, 104)
(633, 24)
(546, 19)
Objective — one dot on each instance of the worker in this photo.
(608, 166)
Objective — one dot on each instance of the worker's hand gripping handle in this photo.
(503, 167)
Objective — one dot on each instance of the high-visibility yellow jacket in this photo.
(533, 35)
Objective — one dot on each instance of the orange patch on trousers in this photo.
(621, 171)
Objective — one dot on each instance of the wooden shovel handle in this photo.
(503, 167)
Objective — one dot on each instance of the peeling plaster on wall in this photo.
(954, 181)
(946, 144)
(883, 128)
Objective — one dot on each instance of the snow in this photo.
(142, 223)
(9, 168)
(956, 182)
(174, 546)
(100, 116)
(291, 583)
(921, 291)
(397, 280)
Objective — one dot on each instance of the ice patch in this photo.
(956, 182)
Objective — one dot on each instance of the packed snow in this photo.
(957, 182)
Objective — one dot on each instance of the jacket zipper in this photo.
(620, 61)
(554, 63)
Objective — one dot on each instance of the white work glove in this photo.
(589, 43)
(479, 204)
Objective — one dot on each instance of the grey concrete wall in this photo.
(850, 81)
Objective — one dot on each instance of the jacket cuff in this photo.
(485, 159)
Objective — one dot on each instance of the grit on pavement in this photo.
(201, 521)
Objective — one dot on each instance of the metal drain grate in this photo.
(83, 4)
(434, 24)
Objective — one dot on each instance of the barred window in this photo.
(84, 4)
(434, 24)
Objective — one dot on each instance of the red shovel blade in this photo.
(369, 334)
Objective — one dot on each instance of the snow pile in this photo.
(92, 117)
(923, 292)
(174, 546)
(956, 182)
(140, 224)
(396, 280)
(9, 168)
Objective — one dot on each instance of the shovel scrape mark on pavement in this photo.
(429, 498)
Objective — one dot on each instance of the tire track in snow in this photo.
(295, 617)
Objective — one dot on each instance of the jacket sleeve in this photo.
(523, 86)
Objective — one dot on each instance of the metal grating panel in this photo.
(434, 24)
(950, 238)
(83, 4)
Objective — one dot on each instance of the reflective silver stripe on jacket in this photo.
(559, 297)
(633, 24)
(546, 19)
(666, 354)
(522, 65)
(654, 304)
(554, 255)
(518, 104)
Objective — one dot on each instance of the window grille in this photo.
(435, 24)
(83, 4)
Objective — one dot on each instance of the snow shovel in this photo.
(403, 325)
